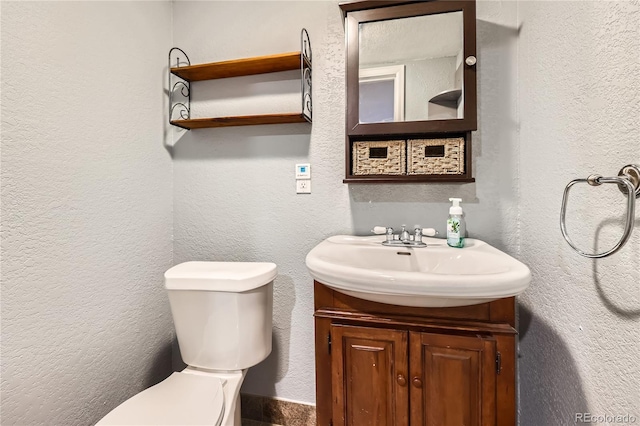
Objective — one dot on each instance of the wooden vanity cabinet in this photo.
(387, 365)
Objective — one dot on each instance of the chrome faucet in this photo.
(404, 238)
(404, 234)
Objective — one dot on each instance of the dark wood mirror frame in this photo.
(358, 12)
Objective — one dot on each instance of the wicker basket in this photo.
(379, 158)
(436, 156)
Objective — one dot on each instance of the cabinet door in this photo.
(453, 380)
(369, 384)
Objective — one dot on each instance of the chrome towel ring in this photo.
(628, 181)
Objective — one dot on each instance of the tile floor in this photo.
(247, 422)
(263, 411)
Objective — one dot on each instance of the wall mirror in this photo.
(427, 76)
(410, 67)
(411, 90)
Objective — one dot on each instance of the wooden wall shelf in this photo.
(244, 120)
(239, 67)
(408, 179)
(180, 90)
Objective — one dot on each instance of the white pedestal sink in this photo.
(434, 276)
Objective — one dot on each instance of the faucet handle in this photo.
(382, 230)
(429, 232)
(379, 230)
(420, 232)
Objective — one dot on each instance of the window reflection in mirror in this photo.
(426, 53)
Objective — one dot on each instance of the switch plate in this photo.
(303, 171)
(303, 186)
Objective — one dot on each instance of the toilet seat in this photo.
(180, 399)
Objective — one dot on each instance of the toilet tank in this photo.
(222, 312)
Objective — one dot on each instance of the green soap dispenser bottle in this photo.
(455, 224)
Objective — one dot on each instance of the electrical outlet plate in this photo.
(303, 186)
(303, 171)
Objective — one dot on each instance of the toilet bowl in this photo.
(222, 312)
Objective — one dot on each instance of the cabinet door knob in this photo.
(401, 380)
(417, 382)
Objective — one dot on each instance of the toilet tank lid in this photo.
(220, 276)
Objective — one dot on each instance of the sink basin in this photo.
(434, 276)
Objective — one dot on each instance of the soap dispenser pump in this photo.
(455, 224)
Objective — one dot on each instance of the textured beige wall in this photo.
(86, 208)
(579, 99)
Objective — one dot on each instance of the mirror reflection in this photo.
(411, 69)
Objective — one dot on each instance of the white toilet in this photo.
(222, 314)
